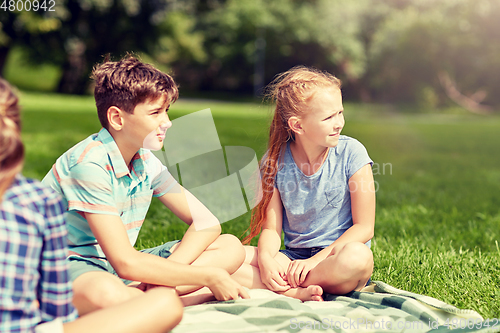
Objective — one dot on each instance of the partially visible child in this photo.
(318, 189)
(35, 290)
(107, 182)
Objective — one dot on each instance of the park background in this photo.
(420, 85)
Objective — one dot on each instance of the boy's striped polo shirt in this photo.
(92, 177)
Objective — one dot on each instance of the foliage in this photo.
(82, 31)
(178, 40)
(422, 38)
(34, 77)
(383, 50)
(386, 50)
(292, 33)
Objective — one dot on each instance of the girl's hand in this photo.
(298, 270)
(272, 274)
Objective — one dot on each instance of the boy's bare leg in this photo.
(225, 252)
(197, 296)
(98, 290)
(157, 310)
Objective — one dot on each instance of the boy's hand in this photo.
(272, 274)
(298, 270)
(224, 287)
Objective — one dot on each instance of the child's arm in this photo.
(204, 226)
(133, 265)
(272, 273)
(362, 191)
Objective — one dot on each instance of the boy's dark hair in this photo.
(129, 82)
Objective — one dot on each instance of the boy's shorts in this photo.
(79, 265)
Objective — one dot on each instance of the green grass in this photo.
(438, 203)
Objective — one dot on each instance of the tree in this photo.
(85, 30)
(237, 33)
(243, 38)
(425, 48)
(18, 25)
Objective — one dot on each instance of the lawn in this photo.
(438, 182)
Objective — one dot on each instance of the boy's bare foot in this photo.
(310, 293)
(197, 298)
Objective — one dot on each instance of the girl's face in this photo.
(323, 118)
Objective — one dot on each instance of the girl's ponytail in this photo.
(11, 146)
(268, 168)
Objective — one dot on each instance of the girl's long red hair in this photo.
(11, 146)
(290, 91)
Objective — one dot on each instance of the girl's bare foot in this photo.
(310, 293)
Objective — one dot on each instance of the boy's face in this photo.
(147, 126)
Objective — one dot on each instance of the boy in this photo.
(107, 182)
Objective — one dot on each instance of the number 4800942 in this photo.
(28, 5)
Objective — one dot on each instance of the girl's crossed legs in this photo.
(348, 267)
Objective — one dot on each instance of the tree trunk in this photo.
(4, 52)
(470, 103)
(74, 76)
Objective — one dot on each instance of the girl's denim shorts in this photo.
(300, 254)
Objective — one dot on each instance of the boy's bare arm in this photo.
(204, 226)
(133, 265)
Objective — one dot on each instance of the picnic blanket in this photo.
(377, 308)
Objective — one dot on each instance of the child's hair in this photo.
(11, 146)
(291, 91)
(129, 82)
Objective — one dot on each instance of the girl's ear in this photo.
(295, 125)
(115, 118)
